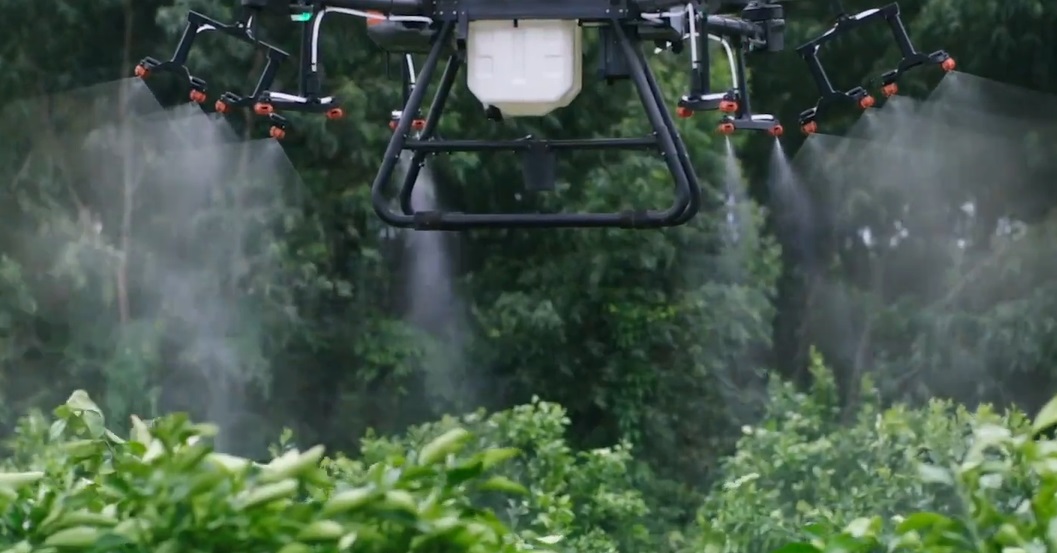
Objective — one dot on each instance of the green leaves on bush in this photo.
(813, 473)
(937, 479)
(969, 481)
(592, 498)
(164, 489)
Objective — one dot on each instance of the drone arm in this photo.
(741, 80)
(700, 68)
(268, 74)
(899, 31)
(733, 27)
(187, 39)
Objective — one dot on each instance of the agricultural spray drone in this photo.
(523, 58)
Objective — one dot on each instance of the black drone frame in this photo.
(622, 48)
(443, 36)
(859, 96)
(539, 154)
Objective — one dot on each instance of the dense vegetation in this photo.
(665, 391)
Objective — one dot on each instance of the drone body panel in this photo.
(451, 10)
(525, 70)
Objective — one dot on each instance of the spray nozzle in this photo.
(279, 125)
(418, 124)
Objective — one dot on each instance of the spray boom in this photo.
(522, 58)
(244, 31)
(859, 96)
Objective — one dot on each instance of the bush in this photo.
(806, 465)
(590, 497)
(72, 485)
(1005, 487)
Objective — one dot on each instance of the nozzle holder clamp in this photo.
(755, 123)
(199, 23)
(911, 58)
(710, 102)
(302, 104)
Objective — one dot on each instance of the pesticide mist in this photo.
(940, 191)
(733, 182)
(433, 304)
(167, 224)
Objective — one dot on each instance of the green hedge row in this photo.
(939, 479)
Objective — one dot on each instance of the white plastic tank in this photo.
(526, 69)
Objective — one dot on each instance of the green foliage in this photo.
(590, 497)
(80, 487)
(1002, 487)
(660, 339)
(809, 464)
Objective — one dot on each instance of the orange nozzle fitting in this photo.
(197, 96)
(261, 108)
(416, 125)
(809, 128)
(684, 112)
(335, 114)
(776, 131)
(890, 89)
(949, 65)
(375, 18)
(728, 106)
(867, 102)
(725, 128)
(141, 71)
(221, 107)
(277, 133)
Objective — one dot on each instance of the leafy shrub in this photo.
(805, 465)
(1005, 487)
(72, 485)
(590, 497)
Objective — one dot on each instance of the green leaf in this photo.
(923, 521)
(82, 407)
(799, 547)
(504, 485)
(57, 429)
(464, 472)
(79, 401)
(863, 527)
(442, 446)
(496, 456)
(1046, 418)
(932, 474)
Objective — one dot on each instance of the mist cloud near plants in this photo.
(167, 222)
(928, 204)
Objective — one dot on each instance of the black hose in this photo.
(733, 26)
(389, 7)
